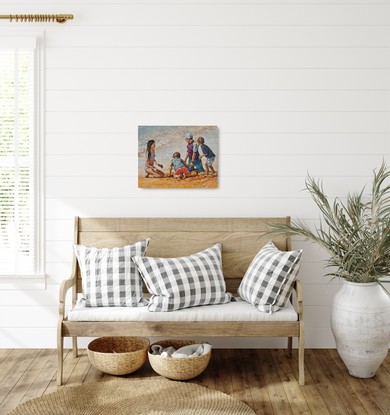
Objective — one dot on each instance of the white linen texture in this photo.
(192, 350)
(238, 310)
(188, 281)
(269, 279)
(109, 276)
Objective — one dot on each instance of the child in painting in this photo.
(208, 154)
(192, 159)
(151, 162)
(180, 169)
(190, 149)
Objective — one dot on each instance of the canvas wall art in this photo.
(178, 157)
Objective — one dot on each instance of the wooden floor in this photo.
(264, 379)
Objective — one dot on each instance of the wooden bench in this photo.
(241, 239)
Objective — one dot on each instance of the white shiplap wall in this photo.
(294, 86)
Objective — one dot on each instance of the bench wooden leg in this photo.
(301, 355)
(60, 354)
(289, 346)
(74, 346)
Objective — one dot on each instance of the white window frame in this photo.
(38, 279)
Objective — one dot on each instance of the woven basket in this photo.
(118, 355)
(180, 368)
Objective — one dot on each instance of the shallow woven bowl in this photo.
(118, 355)
(180, 368)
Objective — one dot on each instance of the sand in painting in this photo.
(200, 181)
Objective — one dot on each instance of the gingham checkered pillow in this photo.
(183, 282)
(109, 276)
(267, 283)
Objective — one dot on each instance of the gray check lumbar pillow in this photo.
(267, 283)
(183, 282)
(109, 276)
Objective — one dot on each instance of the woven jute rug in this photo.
(156, 396)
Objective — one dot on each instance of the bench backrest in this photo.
(241, 238)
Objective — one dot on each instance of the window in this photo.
(21, 190)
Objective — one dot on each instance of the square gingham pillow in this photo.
(183, 282)
(109, 276)
(267, 283)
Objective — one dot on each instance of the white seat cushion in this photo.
(233, 311)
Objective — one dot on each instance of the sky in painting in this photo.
(170, 139)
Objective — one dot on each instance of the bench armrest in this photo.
(65, 285)
(298, 290)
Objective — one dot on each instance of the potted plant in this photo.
(356, 234)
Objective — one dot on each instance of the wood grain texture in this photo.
(176, 224)
(264, 379)
(180, 329)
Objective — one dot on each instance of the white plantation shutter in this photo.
(19, 162)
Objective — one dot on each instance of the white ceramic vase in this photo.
(360, 321)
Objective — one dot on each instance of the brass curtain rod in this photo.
(59, 18)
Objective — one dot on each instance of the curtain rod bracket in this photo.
(38, 18)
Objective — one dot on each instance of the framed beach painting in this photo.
(178, 157)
